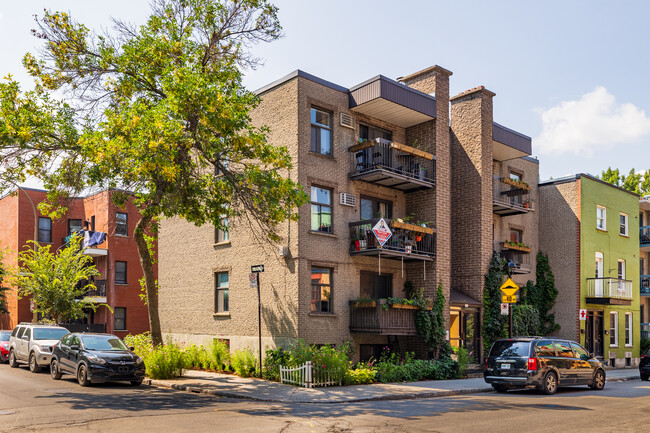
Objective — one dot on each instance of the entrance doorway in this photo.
(594, 333)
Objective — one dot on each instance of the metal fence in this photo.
(307, 376)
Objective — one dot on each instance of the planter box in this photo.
(412, 227)
(367, 304)
(516, 247)
(516, 184)
(412, 150)
(405, 307)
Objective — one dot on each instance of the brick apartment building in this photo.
(452, 185)
(589, 230)
(116, 257)
(644, 265)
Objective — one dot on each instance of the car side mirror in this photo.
(584, 357)
(132, 349)
(74, 347)
(24, 337)
(591, 355)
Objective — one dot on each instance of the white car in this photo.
(32, 343)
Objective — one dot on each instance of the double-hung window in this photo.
(44, 229)
(601, 217)
(321, 132)
(221, 294)
(74, 226)
(121, 224)
(623, 229)
(120, 272)
(621, 269)
(120, 319)
(321, 209)
(628, 329)
(222, 234)
(321, 290)
(613, 329)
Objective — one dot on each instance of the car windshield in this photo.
(510, 348)
(49, 333)
(4, 335)
(103, 343)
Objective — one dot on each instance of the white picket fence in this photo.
(306, 377)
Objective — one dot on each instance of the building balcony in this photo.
(510, 197)
(375, 317)
(408, 241)
(609, 291)
(644, 238)
(645, 331)
(98, 294)
(392, 165)
(519, 255)
(645, 285)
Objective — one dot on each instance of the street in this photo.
(34, 402)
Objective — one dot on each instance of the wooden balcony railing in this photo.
(377, 318)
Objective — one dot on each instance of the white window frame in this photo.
(613, 332)
(621, 275)
(601, 222)
(628, 329)
(624, 226)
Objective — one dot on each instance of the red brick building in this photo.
(116, 257)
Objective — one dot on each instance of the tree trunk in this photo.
(149, 280)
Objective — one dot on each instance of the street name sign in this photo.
(257, 268)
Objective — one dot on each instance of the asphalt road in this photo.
(34, 402)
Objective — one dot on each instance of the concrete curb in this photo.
(386, 397)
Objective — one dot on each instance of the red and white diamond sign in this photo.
(382, 232)
(583, 314)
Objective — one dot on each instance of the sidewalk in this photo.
(226, 385)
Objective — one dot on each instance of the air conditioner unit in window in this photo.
(348, 199)
(346, 120)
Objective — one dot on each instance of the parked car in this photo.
(644, 365)
(96, 358)
(4, 345)
(543, 363)
(32, 343)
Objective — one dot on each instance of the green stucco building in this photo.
(589, 229)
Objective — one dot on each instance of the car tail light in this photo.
(645, 356)
(532, 363)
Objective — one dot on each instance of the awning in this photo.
(457, 298)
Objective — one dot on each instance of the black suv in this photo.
(644, 365)
(543, 363)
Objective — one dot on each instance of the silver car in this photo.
(32, 343)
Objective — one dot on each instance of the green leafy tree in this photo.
(632, 182)
(493, 322)
(525, 320)
(430, 325)
(546, 295)
(158, 110)
(611, 176)
(3, 289)
(52, 280)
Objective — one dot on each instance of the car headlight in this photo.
(5, 346)
(96, 360)
(139, 361)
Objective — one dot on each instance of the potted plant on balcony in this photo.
(519, 246)
(363, 302)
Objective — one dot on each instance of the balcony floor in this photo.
(608, 301)
(391, 179)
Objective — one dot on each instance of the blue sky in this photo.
(572, 75)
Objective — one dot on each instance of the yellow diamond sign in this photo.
(509, 288)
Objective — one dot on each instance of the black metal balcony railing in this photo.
(644, 236)
(100, 290)
(645, 285)
(510, 197)
(645, 330)
(608, 290)
(393, 165)
(520, 258)
(407, 240)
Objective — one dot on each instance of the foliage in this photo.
(463, 358)
(409, 290)
(57, 282)
(394, 368)
(244, 362)
(645, 344)
(546, 295)
(157, 110)
(611, 176)
(220, 353)
(362, 374)
(166, 361)
(196, 358)
(3, 290)
(525, 320)
(430, 324)
(330, 359)
(141, 344)
(637, 183)
(493, 322)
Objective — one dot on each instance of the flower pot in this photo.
(356, 245)
(363, 244)
(418, 238)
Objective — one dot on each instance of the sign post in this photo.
(509, 290)
(255, 270)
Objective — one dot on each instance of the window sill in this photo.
(322, 155)
(612, 346)
(329, 235)
(120, 330)
(624, 236)
(601, 230)
(121, 284)
(120, 236)
(628, 346)
(322, 314)
(221, 244)
(221, 315)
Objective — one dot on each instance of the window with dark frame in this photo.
(121, 224)
(516, 235)
(221, 292)
(321, 209)
(120, 272)
(375, 286)
(120, 319)
(371, 207)
(222, 234)
(44, 229)
(74, 226)
(321, 290)
(321, 132)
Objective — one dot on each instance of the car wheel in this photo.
(500, 388)
(549, 386)
(644, 377)
(136, 382)
(13, 363)
(54, 370)
(33, 365)
(82, 375)
(599, 381)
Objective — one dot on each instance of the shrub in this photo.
(141, 344)
(196, 357)
(272, 362)
(395, 368)
(220, 355)
(361, 375)
(463, 359)
(244, 362)
(165, 362)
(645, 344)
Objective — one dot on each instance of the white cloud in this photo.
(594, 122)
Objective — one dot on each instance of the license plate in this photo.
(122, 369)
(505, 366)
